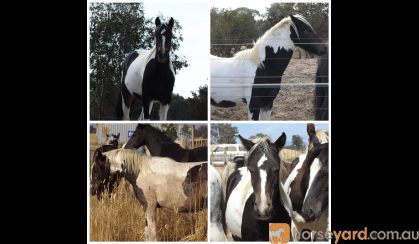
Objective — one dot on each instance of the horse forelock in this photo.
(262, 144)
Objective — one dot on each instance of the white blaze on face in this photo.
(263, 205)
(262, 160)
(314, 169)
(163, 38)
(263, 202)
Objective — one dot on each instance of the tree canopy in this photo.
(233, 30)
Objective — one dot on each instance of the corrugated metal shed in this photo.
(126, 129)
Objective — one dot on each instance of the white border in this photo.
(208, 121)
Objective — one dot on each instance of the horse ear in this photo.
(107, 134)
(158, 22)
(311, 130)
(246, 143)
(280, 142)
(117, 136)
(171, 22)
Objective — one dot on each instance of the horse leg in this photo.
(265, 114)
(150, 224)
(147, 107)
(163, 111)
(126, 104)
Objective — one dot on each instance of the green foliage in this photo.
(231, 27)
(116, 29)
(186, 130)
(178, 108)
(297, 142)
(244, 25)
(201, 131)
(258, 135)
(197, 105)
(171, 130)
(223, 133)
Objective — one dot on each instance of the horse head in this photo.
(163, 38)
(100, 173)
(303, 36)
(263, 162)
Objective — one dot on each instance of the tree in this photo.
(232, 27)
(115, 30)
(170, 130)
(297, 142)
(201, 131)
(177, 109)
(258, 135)
(186, 130)
(223, 133)
(197, 105)
(315, 13)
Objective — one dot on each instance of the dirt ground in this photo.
(292, 102)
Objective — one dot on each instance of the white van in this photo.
(223, 153)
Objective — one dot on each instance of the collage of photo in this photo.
(209, 121)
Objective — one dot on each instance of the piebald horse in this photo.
(159, 182)
(253, 76)
(308, 185)
(148, 75)
(255, 196)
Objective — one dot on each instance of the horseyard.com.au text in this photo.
(349, 235)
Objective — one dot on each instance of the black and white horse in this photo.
(253, 76)
(254, 196)
(148, 75)
(308, 185)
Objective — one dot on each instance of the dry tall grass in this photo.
(121, 218)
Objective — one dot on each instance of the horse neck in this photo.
(276, 48)
(154, 145)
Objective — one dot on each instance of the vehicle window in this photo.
(231, 148)
(242, 148)
(219, 149)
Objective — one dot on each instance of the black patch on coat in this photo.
(275, 64)
(223, 103)
(232, 182)
(253, 229)
(194, 178)
(158, 83)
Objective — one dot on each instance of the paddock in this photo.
(294, 101)
(121, 218)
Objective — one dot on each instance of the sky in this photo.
(194, 19)
(251, 4)
(275, 130)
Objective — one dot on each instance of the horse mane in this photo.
(254, 53)
(162, 135)
(134, 162)
(322, 136)
(148, 55)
